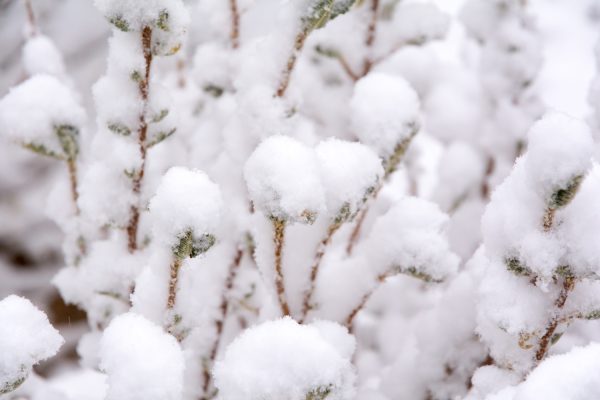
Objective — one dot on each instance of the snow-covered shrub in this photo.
(26, 338)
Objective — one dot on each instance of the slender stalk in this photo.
(224, 309)
(134, 219)
(546, 339)
(235, 24)
(346, 67)
(72, 168)
(314, 270)
(31, 18)
(363, 301)
(173, 282)
(291, 63)
(279, 240)
(371, 34)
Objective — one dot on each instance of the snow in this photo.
(349, 171)
(410, 238)
(26, 338)
(284, 360)
(141, 361)
(384, 111)
(283, 180)
(31, 111)
(420, 22)
(41, 56)
(185, 200)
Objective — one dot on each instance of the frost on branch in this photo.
(141, 361)
(541, 270)
(385, 115)
(186, 212)
(283, 180)
(43, 115)
(26, 338)
(350, 172)
(284, 360)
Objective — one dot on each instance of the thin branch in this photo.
(219, 323)
(314, 271)
(33, 27)
(235, 24)
(173, 282)
(371, 34)
(346, 67)
(291, 62)
(279, 240)
(143, 86)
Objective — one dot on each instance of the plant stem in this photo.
(224, 309)
(380, 279)
(72, 167)
(235, 24)
(144, 84)
(31, 18)
(314, 271)
(545, 341)
(173, 282)
(371, 34)
(279, 240)
(291, 62)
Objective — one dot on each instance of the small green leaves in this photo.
(136, 76)
(319, 393)
(119, 128)
(343, 215)
(415, 273)
(341, 7)
(42, 150)
(119, 22)
(563, 196)
(564, 271)
(160, 116)
(213, 90)
(163, 21)
(190, 246)
(67, 135)
(592, 315)
(159, 137)
(514, 265)
(323, 11)
(7, 387)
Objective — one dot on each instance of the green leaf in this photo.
(159, 137)
(160, 116)
(341, 7)
(42, 150)
(136, 76)
(213, 90)
(319, 393)
(163, 21)
(514, 265)
(68, 137)
(119, 128)
(191, 246)
(318, 14)
(119, 22)
(7, 387)
(327, 51)
(592, 315)
(563, 196)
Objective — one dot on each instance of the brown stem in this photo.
(360, 220)
(291, 63)
(31, 18)
(346, 67)
(371, 33)
(545, 341)
(314, 271)
(279, 239)
(143, 86)
(235, 24)
(224, 308)
(380, 279)
(173, 282)
(549, 219)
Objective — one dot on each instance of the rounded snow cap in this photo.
(186, 211)
(283, 180)
(384, 111)
(285, 360)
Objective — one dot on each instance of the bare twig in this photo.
(224, 309)
(314, 271)
(33, 27)
(235, 24)
(291, 62)
(144, 84)
(371, 34)
(279, 240)
(173, 282)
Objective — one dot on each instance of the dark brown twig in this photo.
(279, 240)
(371, 34)
(134, 219)
(235, 24)
(291, 63)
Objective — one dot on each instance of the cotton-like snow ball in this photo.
(409, 239)
(285, 360)
(141, 360)
(560, 149)
(40, 56)
(32, 111)
(283, 180)
(350, 171)
(420, 22)
(384, 112)
(26, 338)
(186, 201)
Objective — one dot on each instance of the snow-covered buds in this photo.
(26, 338)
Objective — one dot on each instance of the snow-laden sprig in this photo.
(43, 115)
(167, 19)
(538, 278)
(26, 338)
(141, 361)
(385, 115)
(285, 360)
(186, 212)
